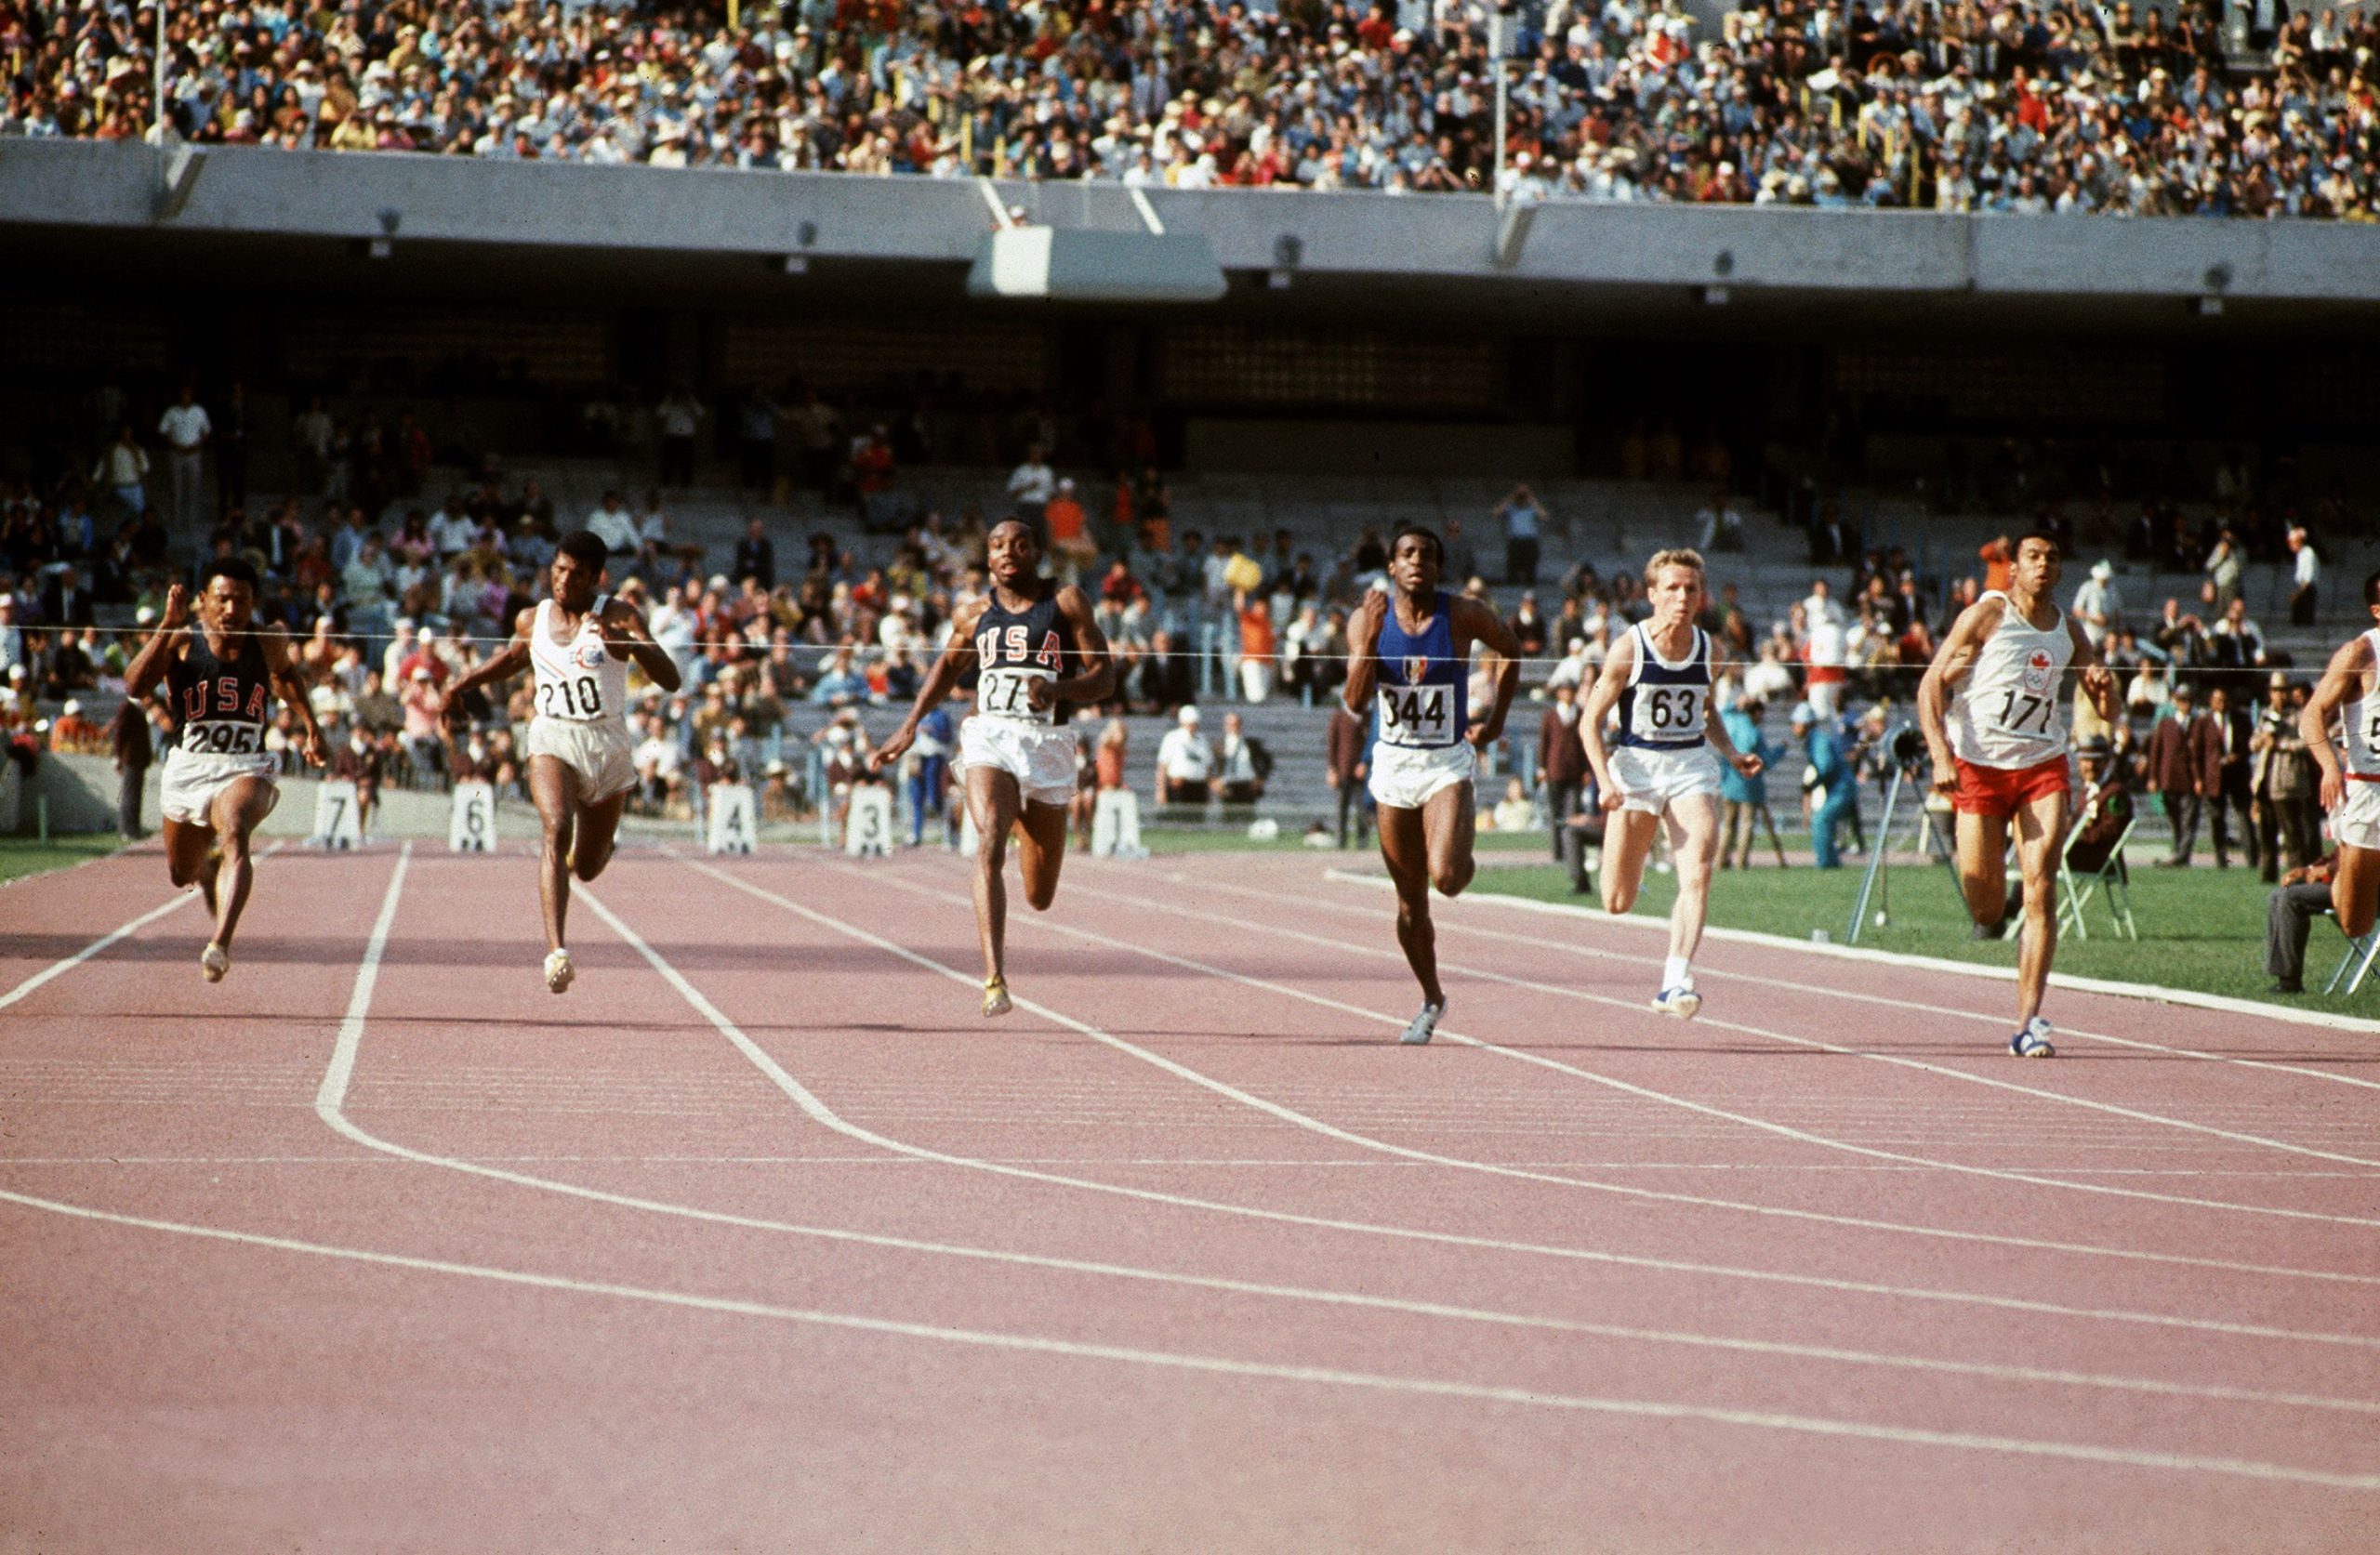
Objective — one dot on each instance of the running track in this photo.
(762, 1238)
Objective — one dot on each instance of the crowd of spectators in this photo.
(1984, 106)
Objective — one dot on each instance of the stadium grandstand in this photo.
(784, 311)
(2011, 108)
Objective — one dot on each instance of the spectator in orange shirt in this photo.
(1069, 533)
(1996, 555)
(1256, 645)
(75, 734)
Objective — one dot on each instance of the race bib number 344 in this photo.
(1417, 715)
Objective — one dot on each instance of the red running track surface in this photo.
(761, 1237)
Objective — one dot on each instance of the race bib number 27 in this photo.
(1006, 694)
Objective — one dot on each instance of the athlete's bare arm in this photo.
(1600, 702)
(148, 666)
(502, 665)
(626, 635)
(1953, 662)
(1363, 651)
(281, 668)
(2342, 682)
(1098, 675)
(1475, 622)
(957, 655)
(2098, 681)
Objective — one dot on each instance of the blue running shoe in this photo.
(1683, 1002)
(2033, 1041)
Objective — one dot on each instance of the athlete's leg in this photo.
(1042, 852)
(1628, 840)
(554, 788)
(2355, 891)
(993, 800)
(1405, 847)
(238, 810)
(1694, 840)
(2041, 832)
(1983, 865)
(592, 829)
(189, 845)
(1449, 828)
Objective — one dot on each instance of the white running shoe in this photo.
(1682, 1002)
(558, 972)
(1424, 1026)
(2033, 1041)
(214, 961)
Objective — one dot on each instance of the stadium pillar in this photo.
(157, 104)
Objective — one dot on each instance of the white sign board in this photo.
(868, 828)
(337, 821)
(1115, 825)
(472, 828)
(734, 820)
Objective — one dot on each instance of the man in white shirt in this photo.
(1721, 525)
(2306, 575)
(2098, 609)
(1820, 606)
(615, 526)
(1186, 763)
(1032, 485)
(1237, 779)
(451, 530)
(186, 430)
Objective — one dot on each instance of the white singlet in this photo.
(2361, 747)
(2011, 712)
(578, 681)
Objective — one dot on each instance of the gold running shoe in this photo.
(995, 999)
(214, 961)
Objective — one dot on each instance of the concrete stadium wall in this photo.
(111, 186)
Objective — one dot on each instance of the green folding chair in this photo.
(2111, 881)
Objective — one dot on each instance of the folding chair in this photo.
(2110, 879)
(2359, 954)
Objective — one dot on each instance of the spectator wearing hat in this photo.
(73, 734)
(2281, 783)
(2098, 608)
(1185, 761)
(1826, 779)
(2185, 766)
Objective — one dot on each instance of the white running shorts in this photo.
(1404, 777)
(192, 779)
(2356, 823)
(1654, 780)
(1039, 756)
(599, 750)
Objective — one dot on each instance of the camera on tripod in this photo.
(1907, 748)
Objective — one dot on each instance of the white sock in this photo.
(1675, 973)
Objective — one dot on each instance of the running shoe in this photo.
(2033, 1041)
(1425, 1025)
(558, 972)
(995, 999)
(1682, 1002)
(214, 961)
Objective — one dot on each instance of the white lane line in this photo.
(1476, 901)
(1284, 1163)
(99, 945)
(1367, 1141)
(1179, 1360)
(1377, 952)
(819, 1110)
(338, 1075)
